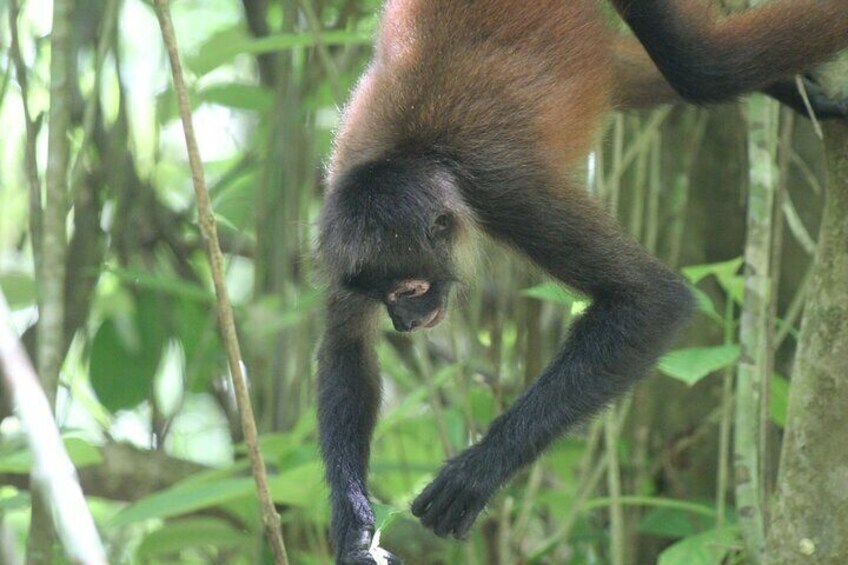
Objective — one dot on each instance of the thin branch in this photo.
(799, 82)
(53, 474)
(32, 129)
(270, 518)
(51, 257)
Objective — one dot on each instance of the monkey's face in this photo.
(414, 304)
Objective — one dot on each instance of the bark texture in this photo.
(810, 519)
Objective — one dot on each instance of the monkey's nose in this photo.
(407, 325)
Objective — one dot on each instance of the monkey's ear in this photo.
(441, 225)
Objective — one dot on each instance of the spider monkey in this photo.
(475, 114)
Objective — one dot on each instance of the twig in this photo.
(32, 128)
(50, 257)
(52, 473)
(616, 511)
(810, 113)
(270, 518)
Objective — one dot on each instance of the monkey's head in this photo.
(389, 231)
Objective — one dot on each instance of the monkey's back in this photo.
(463, 76)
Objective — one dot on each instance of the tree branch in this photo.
(270, 518)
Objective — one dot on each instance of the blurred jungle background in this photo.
(143, 398)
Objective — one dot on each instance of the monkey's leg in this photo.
(348, 402)
(710, 59)
(639, 84)
(637, 307)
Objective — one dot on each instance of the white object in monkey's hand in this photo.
(380, 555)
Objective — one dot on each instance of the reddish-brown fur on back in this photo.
(459, 75)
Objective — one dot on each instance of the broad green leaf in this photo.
(671, 523)
(123, 364)
(182, 499)
(81, 453)
(300, 487)
(121, 376)
(705, 305)
(19, 289)
(385, 515)
(727, 274)
(779, 399)
(239, 96)
(693, 364)
(722, 270)
(178, 535)
(708, 548)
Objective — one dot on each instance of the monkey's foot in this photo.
(450, 504)
(366, 550)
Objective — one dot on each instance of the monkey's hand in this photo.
(450, 504)
(365, 550)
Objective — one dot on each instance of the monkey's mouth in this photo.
(434, 319)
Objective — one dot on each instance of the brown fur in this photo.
(479, 112)
(453, 72)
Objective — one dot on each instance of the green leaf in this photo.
(121, 376)
(705, 305)
(722, 270)
(124, 363)
(385, 515)
(727, 274)
(14, 502)
(299, 487)
(196, 532)
(779, 399)
(707, 548)
(224, 46)
(19, 289)
(172, 286)
(693, 364)
(182, 499)
(239, 96)
(551, 292)
(81, 453)
(195, 327)
(671, 523)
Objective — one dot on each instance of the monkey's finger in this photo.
(423, 501)
(443, 496)
(447, 524)
(434, 515)
(465, 523)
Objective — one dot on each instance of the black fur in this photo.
(638, 306)
(707, 64)
(393, 222)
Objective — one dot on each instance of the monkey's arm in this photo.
(348, 402)
(708, 59)
(637, 307)
(639, 84)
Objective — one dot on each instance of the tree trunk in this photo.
(810, 520)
